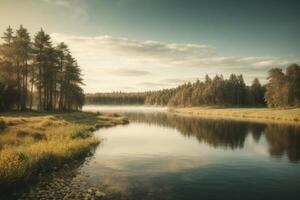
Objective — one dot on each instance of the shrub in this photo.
(81, 134)
(38, 136)
(2, 125)
(21, 133)
(13, 166)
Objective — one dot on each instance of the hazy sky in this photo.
(136, 45)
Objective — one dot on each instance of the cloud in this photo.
(64, 3)
(154, 84)
(163, 54)
(128, 72)
(177, 81)
(167, 83)
(170, 64)
(78, 9)
(133, 51)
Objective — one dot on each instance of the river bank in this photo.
(246, 114)
(35, 143)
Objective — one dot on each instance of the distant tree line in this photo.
(212, 91)
(282, 90)
(37, 73)
(115, 98)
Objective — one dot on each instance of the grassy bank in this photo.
(253, 114)
(31, 143)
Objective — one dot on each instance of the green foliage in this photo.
(257, 92)
(216, 91)
(283, 90)
(36, 65)
(2, 125)
(115, 98)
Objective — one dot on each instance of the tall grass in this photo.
(291, 115)
(32, 143)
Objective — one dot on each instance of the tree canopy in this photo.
(37, 72)
(216, 91)
(281, 90)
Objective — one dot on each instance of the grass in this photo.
(254, 114)
(32, 143)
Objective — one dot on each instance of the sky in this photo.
(137, 45)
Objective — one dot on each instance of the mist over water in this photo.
(124, 109)
(163, 156)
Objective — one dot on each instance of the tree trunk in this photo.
(26, 84)
(61, 86)
(40, 87)
(31, 92)
(18, 87)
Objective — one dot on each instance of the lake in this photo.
(163, 156)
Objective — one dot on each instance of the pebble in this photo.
(64, 186)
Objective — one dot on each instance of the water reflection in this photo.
(282, 139)
(124, 108)
(163, 156)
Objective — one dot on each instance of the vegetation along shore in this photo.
(33, 143)
(291, 115)
(278, 100)
(41, 94)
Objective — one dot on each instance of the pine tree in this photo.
(22, 51)
(293, 77)
(8, 79)
(63, 51)
(257, 93)
(40, 45)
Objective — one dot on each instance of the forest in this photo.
(37, 74)
(281, 90)
(115, 98)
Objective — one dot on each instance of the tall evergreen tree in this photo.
(8, 79)
(293, 78)
(257, 93)
(63, 52)
(22, 50)
(41, 44)
(51, 73)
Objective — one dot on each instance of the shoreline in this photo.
(261, 115)
(34, 144)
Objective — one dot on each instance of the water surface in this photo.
(163, 156)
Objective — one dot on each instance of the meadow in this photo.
(34, 143)
(277, 115)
